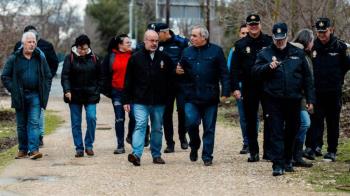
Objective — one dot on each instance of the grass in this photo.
(334, 176)
(52, 121)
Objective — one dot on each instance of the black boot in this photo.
(298, 156)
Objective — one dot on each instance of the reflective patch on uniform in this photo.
(314, 54)
(294, 57)
(116, 103)
(333, 53)
(247, 49)
(174, 47)
(119, 120)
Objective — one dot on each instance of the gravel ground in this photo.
(59, 173)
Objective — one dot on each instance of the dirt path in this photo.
(59, 173)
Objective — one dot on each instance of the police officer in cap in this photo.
(173, 45)
(242, 61)
(330, 64)
(286, 77)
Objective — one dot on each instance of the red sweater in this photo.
(119, 68)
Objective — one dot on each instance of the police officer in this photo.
(285, 74)
(172, 45)
(242, 61)
(330, 64)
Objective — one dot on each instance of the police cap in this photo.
(322, 24)
(253, 19)
(158, 27)
(279, 31)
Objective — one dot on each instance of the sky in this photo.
(81, 6)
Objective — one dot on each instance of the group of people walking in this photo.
(291, 80)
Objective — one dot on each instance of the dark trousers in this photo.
(195, 114)
(327, 107)
(283, 120)
(119, 117)
(168, 120)
(251, 100)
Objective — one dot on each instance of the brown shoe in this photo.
(134, 160)
(21, 155)
(35, 155)
(89, 152)
(158, 160)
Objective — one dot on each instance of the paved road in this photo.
(59, 173)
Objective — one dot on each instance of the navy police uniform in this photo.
(243, 60)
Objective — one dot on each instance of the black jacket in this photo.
(243, 59)
(330, 64)
(82, 77)
(174, 47)
(12, 83)
(290, 79)
(204, 68)
(147, 80)
(50, 54)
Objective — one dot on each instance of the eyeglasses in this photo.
(153, 40)
(83, 49)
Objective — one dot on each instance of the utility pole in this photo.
(157, 10)
(131, 10)
(167, 7)
(208, 15)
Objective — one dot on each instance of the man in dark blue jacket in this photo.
(172, 45)
(285, 76)
(204, 66)
(330, 64)
(49, 53)
(27, 77)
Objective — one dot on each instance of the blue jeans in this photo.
(42, 123)
(119, 116)
(27, 121)
(141, 113)
(75, 115)
(305, 123)
(194, 115)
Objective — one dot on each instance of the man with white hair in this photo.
(203, 66)
(27, 77)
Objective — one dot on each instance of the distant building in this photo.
(186, 13)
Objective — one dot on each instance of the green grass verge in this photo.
(333, 176)
(52, 121)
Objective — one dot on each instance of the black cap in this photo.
(158, 27)
(322, 24)
(279, 31)
(252, 19)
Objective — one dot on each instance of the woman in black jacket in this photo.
(81, 81)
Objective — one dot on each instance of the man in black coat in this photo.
(243, 60)
(146, 89)
(330, 64)
(203, 66)
(285, 75)
(47, 49)
(173, 45)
